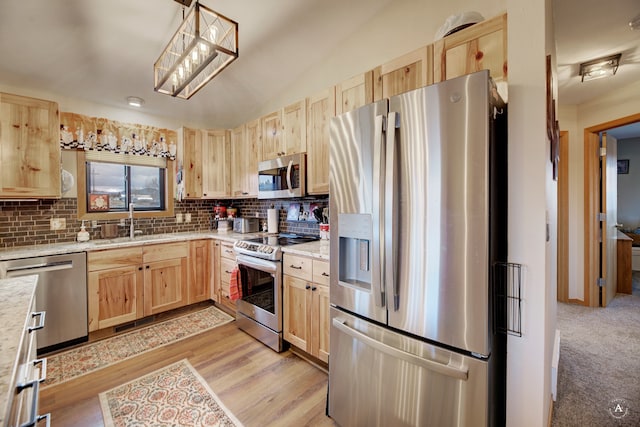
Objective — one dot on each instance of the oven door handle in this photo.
(257, 263)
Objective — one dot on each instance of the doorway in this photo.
(595, 261)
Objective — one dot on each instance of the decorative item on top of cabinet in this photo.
(306, 305)
(284, 131)
(320, 108)
(478, 47)
(407, 72)
(29, 148)
(245, 143)
(205, 156)
(354, 92)
(199, 277)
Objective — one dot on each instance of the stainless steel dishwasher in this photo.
(61, 292)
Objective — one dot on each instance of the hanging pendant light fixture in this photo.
(205, 43)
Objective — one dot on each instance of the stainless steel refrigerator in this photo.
(418, 219)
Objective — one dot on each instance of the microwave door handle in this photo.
(377, 215)
(289, 169)
(390, 230)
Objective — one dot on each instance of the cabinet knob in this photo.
(139, 268)
(307, 287)
(313, 288)
(147, 267)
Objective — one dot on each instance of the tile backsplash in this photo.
(26, 223)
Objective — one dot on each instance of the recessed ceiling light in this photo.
(135, 101)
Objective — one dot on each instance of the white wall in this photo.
(628, 189)
(575, 118)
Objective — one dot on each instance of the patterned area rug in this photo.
(88, 358)
(173, 396)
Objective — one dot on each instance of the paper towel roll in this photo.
(272, 221)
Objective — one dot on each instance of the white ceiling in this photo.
(103, 50)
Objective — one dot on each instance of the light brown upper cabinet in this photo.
(478, 47)
(409, 71)
(284, 131)
(29, 148)
(245, 141)
(320, 108)
(354, 92)
(206, 163)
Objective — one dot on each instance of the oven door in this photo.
(261, 291)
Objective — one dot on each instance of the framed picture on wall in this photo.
(623, 166)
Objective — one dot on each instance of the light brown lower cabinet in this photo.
(129, 283)
(200, 277)
(306, 305)
(226, 263)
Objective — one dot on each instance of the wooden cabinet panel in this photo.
(164, 251)
(29, 147)
(320, 326)
(165, 285)
(321, 272)
(297, 266)
(297, 311)
(215, 273)
(272, 135)
(294, 128)
(114, 258)
(478, 47)
(320, 108)
(114, 296)
(199, 277)
(191, 149)
(216, 180)
(244, 159)
(226, 267)
(410, 71)
(354, 92)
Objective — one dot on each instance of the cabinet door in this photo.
(29, 147)
(408, 72)
(297, 311)
(320, 108)
(478, 47)
(226, 267)
(115, 296)
(215, 273)
(244, 159)
(272, 136)
(354, 93)
(165, 285)
(192, 156)
(294, 128)
(217, 162)
(200, 261)
(320, 322)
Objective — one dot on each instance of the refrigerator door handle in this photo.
(390, 228)
(378, 212)
(450, 371)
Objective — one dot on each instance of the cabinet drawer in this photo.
(297, 266)
(226, 251)
(226, 267)
(114, 258)
(321, 272)
(165, 251)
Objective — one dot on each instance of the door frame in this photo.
(591, 204)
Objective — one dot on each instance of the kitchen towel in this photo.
(272, 221)
(235, 287)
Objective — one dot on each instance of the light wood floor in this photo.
(260, 386)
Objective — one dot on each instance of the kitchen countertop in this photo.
(16, 295)
(318, 249)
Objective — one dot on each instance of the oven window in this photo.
(258, 288)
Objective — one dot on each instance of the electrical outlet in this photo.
(57, 223)
(187, 217)
(94, 223)
(178, 218)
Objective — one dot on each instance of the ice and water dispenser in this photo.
(356, 250)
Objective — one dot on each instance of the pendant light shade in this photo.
(205, 43)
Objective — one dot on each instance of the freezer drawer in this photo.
(381, 378)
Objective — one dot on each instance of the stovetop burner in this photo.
(268, 247)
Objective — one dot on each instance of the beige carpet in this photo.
(599, 369)
(90, 357)
(174, 396)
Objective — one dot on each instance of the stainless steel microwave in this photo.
(282, 177)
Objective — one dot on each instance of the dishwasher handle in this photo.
(26, 270)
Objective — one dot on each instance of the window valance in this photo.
(100, 134)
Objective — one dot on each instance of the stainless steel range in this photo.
(259, 311)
